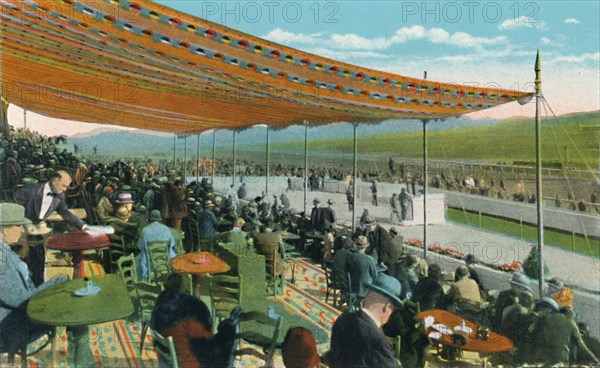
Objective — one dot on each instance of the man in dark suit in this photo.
(356, 338)
(40, 201)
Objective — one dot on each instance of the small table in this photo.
(77, 242)
(58, 306)
(186, 263)
(494, 344)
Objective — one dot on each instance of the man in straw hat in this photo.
(40, 201)
(16, 285)
(155, 232)
(356, 339)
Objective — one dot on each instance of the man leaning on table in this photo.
(16, 286)
(40, 201)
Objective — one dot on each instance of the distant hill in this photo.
(569, 139)
(110, 141)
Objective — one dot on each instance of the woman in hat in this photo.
(299, 349)
(16, 286)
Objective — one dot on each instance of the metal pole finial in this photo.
(538, 73)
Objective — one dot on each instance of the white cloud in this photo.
(280, 35)
(545, 40)
(576, 59)
(522, 21)
(351, 41)
(571, 21)
(349, 55)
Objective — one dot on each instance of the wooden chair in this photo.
(165, 349)
(160, 265)
(126, 268)
(258, 328)
(147, 295)
(194, 232)
(331, 288)
(225, 294)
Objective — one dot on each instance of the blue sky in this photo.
(473, 42)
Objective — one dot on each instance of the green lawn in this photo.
(512, 140)
(577, 243)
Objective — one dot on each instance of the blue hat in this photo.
(387, 286)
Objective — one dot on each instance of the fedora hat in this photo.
(362, 242)
(520, 279)
(393, 230)
(316, 200)
(124, 198)
(330, 201)
(12, 214)
(387, 286)
(155, 215)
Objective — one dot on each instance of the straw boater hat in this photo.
(362, 242)
(387, 286)
(41, 228)
(208, 204)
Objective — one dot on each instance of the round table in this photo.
(58, 306)
(494, 344)
(77, 242)
(55, 217)
(188, 263)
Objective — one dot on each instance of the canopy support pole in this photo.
(24, 119)
(305, 164)
(538, 172)
(198, 158)
(185, 160)
(214, 163)
(233, 178)
(424, 190)
(354, 172)
(267, 164)
(174, 149)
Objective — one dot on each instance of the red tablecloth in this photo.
(77, 240)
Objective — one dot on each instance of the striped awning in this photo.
(140, 64)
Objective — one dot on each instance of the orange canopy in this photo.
(140, 64)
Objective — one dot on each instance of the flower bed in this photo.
(437, 248)
(455, 253)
